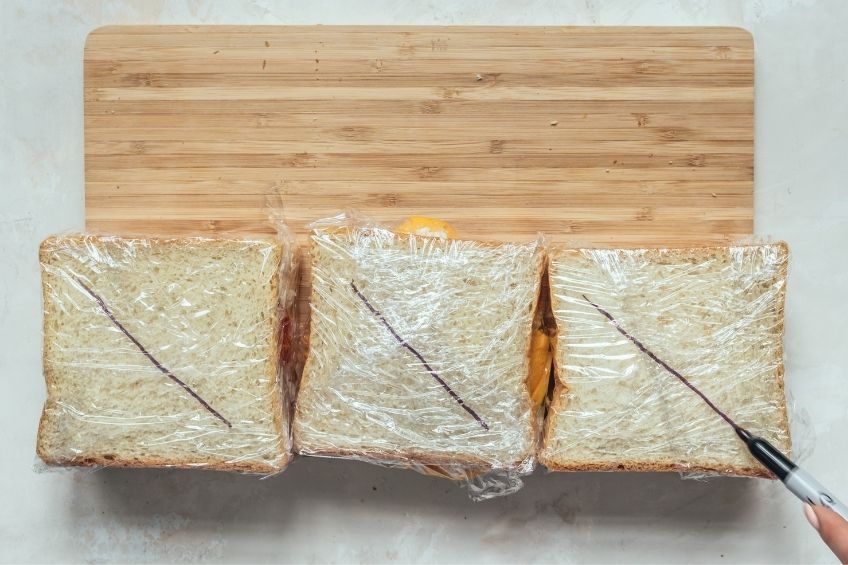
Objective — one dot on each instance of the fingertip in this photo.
(832, 528)
(812, 517)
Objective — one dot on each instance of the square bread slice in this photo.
(162, 353)
(418, 351)
(714, 314)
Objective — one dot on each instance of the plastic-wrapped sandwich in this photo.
(164, 353)
(418, 351)
(714, 314)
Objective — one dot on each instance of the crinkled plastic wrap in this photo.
(166, 352)
(419, 354)
(713, 314)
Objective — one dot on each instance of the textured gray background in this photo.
(342, 511)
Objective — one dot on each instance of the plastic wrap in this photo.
(418, 353)
(166, 352)
(714, 314)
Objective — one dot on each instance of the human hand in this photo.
(832, 529)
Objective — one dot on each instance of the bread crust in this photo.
(275, 392)
(162, 463)
(394, 457)
(561, 388)
(658, 467)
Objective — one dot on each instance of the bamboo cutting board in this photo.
(597, 135)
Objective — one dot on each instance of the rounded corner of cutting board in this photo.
(745, 34)
(98, 31)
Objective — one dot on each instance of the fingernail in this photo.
(811, 516)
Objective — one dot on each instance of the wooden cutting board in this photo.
(592, 135)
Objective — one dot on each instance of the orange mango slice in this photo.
(430, 227)
(540, 366)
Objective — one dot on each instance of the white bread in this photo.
(205, 310)
(464, 307)
(714, 314)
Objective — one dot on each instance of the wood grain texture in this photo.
(621, 136)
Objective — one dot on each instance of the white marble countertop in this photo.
(320, 511)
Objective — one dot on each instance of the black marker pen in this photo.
(796, 479)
